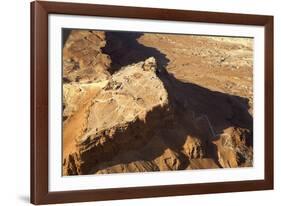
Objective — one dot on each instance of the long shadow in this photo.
(196, 111)
(124, 49)
(65, 35)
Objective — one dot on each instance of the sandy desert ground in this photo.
(141, 102)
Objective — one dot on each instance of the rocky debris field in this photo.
(142, 102)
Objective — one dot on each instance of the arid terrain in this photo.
(142, 102)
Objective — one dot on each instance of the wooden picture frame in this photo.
(40, 107)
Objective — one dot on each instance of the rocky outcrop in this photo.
(233, 148)
(194, 148)
(118, 117)
(83, 60)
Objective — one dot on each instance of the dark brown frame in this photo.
(39, 102)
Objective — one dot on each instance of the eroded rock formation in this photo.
(83, 60)
(117, 117)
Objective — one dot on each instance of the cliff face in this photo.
(131, 115)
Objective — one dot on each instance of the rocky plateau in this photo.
(143, 102)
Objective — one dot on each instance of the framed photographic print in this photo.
(131, 102)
